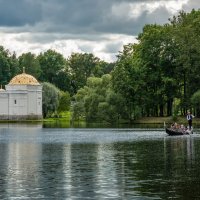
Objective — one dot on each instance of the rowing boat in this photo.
(175, 132)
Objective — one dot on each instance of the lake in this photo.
(97, 163)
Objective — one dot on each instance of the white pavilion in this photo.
(21, 99)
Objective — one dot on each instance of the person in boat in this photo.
(172, 125)
(175, 126)
(189, 119)
(178, 127)
(184, 129)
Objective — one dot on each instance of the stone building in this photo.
(21, 99)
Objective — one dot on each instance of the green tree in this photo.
(64, 102)
(195, 100)
(98, 102)
(51, 64)
(82, 66)
(102, 68)
(78, 111)
(8, 66)
(50, 100)
(186, 35)
(31, 64)
(128, 79)
(158, 53)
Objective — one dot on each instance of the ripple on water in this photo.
(97, 164)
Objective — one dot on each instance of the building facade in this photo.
(21, 99)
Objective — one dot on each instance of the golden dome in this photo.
(24, 79)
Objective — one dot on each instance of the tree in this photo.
(8, 66)
(158, 53)
(51, 64)
(186, 35)
(62, 80)
(195, 100)
(82, 66)
(128, 79)
(78, 111)
(97, 101)
(31, 64)
(64, 102)
(102, 68)
(50, 100)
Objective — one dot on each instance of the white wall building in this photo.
(21, 99)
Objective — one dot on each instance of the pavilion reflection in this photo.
(22, 177)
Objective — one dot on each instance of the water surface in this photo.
(104, 163)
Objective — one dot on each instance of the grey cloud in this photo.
(86, 48)
(113, 47)
(159, 16)
(19, 13)
(75, 17)
(191, 5)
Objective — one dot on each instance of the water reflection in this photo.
(82, 124)
(53, 176)
(181, 150)
(97, 164)
(19, 167)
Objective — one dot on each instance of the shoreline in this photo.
(144, 120)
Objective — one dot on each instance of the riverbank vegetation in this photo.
(156, 77)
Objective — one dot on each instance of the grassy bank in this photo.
(167, 120)
(145, 120)
(66, 117)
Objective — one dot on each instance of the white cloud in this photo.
(22, 43)
(173, 6)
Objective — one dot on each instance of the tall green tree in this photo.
(186, 34)
(82, 66)
(9, 66)
(31, 64)
(195, 100)
(51, 63)
(158, 53)
(128, 79)
(63, 81)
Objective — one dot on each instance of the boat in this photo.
(171, 131)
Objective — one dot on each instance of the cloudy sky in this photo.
(100, 27)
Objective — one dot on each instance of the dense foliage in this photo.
(98, 102)
(161, 72)
(9, 66)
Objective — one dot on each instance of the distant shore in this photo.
(167, 120)
(144, 120)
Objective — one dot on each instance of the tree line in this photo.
(61, 77)
(158, 76)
